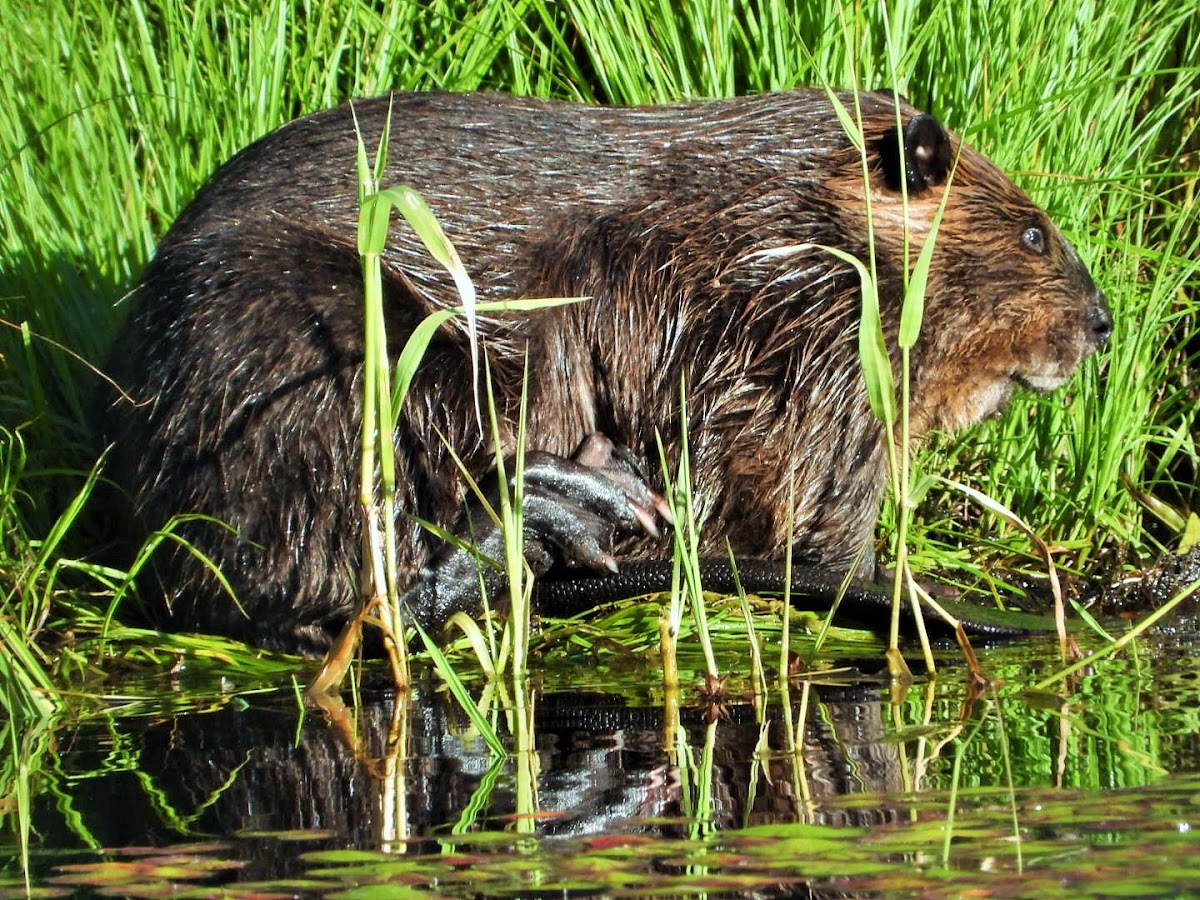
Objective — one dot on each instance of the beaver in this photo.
(697, 231)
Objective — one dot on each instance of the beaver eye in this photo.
(1034, 239)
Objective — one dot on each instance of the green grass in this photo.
(116, 113)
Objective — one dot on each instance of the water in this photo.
(843, 785)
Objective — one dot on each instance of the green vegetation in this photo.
(855, 860)
(117, 113)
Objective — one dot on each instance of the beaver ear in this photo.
(927, 154)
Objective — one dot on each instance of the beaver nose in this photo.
(1099, 320)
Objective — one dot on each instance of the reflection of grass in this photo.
(932, 738)
(1134, 832)
(32, 728)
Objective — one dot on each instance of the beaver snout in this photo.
(1100, 321)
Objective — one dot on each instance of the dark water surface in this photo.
(841, 786)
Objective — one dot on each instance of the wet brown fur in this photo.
(245, 340)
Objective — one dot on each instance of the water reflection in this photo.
(399, 768)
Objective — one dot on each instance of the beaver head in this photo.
(1008, 300)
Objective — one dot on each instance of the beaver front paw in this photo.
(573, 510)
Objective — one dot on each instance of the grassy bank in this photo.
(116, 114)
